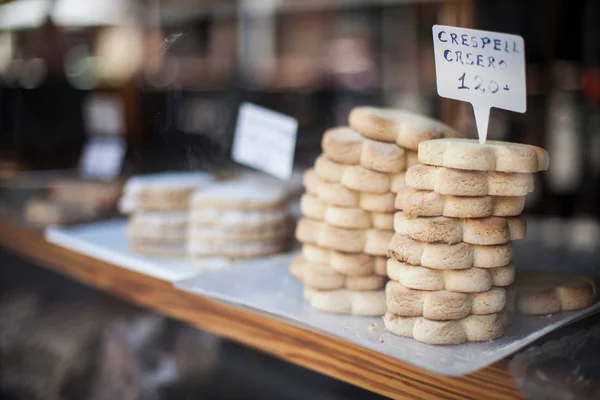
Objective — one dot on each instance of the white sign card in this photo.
(265, 140)
(102, 158)
(103, 114)
(486, 69)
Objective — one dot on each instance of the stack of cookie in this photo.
(158, 205)
(450, 258)
(237, 220)
(348, 208)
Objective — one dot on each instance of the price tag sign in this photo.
(486, 69)
(265, 140)
(103, 114)
(102, 158)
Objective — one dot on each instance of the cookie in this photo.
(217, 232)
(251, 194)
(398, 182)
(357, 218)
(469, 154)
(344, 301)
(238, 219)
(313, 207)
(474, 328)
(449, 256)
(422, 203)
(482, 231)
(380, 266)
(307, 230)
(234, 249)
(158, 192)
(404, 128)
(370, 241)
(85, 193)
(346, 146)
(344, 217)
(412, 158)
(328, 170)
(365, 180)
(168, 226)
(321, 276)
(337, 195)
(469, 280)
(550, 292)
(383, 157)
(442, 305)
(356, 177)
(354, 264)
(44, 212)
(311, 181)
(456, 182)
(343, 145)
(377, 202)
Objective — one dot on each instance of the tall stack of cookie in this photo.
(237, 220)
(450, 258)
(348, 208)
(158, 205)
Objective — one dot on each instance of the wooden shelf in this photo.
(318, 352)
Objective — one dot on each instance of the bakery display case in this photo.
(278, 199)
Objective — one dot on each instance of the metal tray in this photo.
(267, 287)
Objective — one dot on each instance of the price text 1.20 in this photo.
(478, 83)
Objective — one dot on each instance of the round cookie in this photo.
(365, 180)
(422, 203)
(346, 146)
(398, 182)
(238, 219)
(456, 182)
(217, 232)
(337, 195)
(328, 170)
(165, 226)
(321, 276)
(313, 207)
(383, 157)
(357, 218)
(404, 128)
(449, 256)
(442, 305)
(474, 328)
(342, 145)
(344, 301)
(377, 202)
(235, 249)
(471, 280)
(550, 292)
(308, 230)
(345, 217)
(354, 264)
(412, 158)
(161, 192)
(469, 154)
(481, 231)
(370, 241)
(251, 194)
(356, 177)
(311, 181)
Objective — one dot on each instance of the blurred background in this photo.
(103, 89)
(166, 77)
